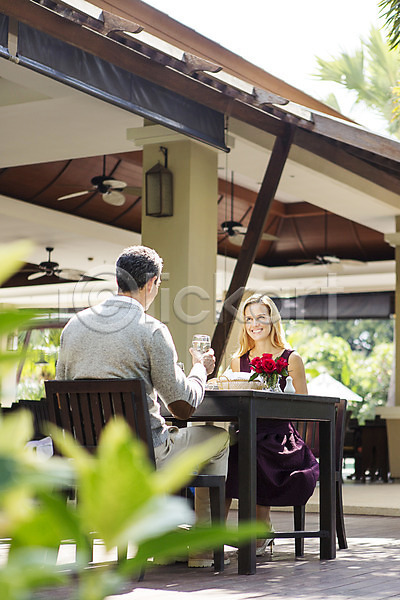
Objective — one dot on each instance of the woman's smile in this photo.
(258, 321)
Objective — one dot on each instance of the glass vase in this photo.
(271, 385)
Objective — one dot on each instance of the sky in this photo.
(284, 36)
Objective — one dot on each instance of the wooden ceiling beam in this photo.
(251, 242)
(357, 137)
(322, 147)
(298, 210)
(390, 166)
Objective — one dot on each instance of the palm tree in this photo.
(373, 73)
(392, 19)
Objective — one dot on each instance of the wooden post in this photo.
(251, 241)
(397, 321)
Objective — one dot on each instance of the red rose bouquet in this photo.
(268, 369)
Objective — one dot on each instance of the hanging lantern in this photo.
(159, 198)
(41, 360)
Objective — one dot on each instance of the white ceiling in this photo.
(43, 120)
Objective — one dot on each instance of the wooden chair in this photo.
(39, 411)
(310, 433)
(83, 407)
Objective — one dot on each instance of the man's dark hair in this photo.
(135, 266)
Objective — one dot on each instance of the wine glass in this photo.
(201, 343)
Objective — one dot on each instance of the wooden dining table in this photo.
(245, 407)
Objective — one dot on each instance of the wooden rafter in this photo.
(106, 23)
(251, 242)
(322, 147)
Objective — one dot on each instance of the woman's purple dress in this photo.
(287, 470)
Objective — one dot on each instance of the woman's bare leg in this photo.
(228, 502)
(263, 515)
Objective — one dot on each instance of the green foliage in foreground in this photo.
(122, 500)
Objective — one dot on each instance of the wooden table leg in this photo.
(247, 483)
(327, 498)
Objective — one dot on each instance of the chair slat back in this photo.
(39, 411)
(84, 406)
(340, 429)
(309, 431)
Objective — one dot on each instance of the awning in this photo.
(75, 67)
(332, 307)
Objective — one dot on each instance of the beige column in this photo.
(397, 327)
(392, 413)
(187, 241)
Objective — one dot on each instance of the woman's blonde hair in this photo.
(277, 333)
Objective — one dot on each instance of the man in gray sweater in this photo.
(117, 339)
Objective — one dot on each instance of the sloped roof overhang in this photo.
(371, 156)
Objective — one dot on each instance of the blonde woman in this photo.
(287, 471)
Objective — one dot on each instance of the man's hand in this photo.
(207, 359)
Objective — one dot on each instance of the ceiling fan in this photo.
(111, 189)
(333, 261)
(235, 230)
(50, 268)
(327, 260)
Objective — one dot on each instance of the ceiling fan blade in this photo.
(36, 275)
(134, 190)
(328, 259)
(75, 194)
(268, 237)
(236, 239)
(240, 229)
(353, 261)
(114, 184)
(72, 274)
(114, 198)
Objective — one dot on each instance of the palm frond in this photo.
(390, 11)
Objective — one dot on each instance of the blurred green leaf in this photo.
(12, 319)
(182, 541)
(15, 431)
(159, 515)
(175, 474)
(12, 257)
(49, 523)
(28, 569)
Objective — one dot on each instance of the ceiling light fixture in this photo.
(159, 196)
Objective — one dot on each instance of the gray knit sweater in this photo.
(117, 339)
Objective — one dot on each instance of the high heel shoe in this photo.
(265, 547)
(267, 544)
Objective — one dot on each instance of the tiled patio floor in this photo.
(369, 568)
